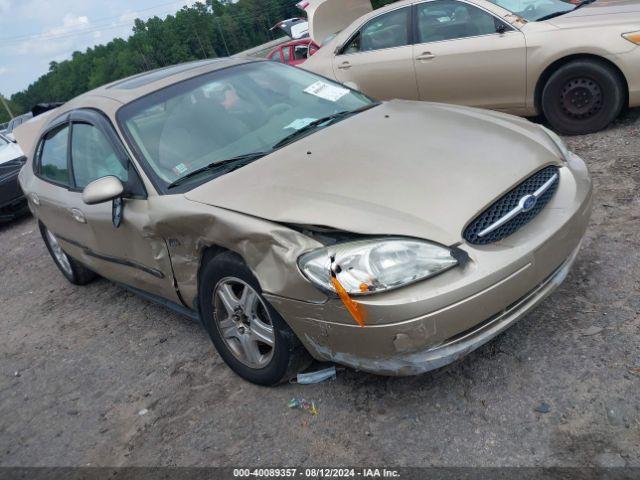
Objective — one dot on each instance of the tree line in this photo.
(205, 30)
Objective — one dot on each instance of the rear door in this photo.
(378, 58)
(55, 201)
(466, 55)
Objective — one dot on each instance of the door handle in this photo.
(78, 216)
(344, 66)
(35, 199)
(425, 56)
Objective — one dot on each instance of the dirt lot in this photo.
(95, 375)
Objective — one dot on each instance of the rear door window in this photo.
(53, 156)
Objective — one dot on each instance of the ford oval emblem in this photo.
(529, 202)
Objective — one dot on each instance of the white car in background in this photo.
(12, 201)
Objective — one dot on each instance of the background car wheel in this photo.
(583, 96)
(250, 335)
(71, 269)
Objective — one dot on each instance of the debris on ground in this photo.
(142, 412)
(543, 408)
(316, 377)
(302, 404)
(593, 330)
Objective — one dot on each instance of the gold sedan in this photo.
(577, 64)
(293, 216)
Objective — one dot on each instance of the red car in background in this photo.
(294, 52)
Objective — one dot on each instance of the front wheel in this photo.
(249, 334)
(583, 96)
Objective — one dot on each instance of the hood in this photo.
(27, 134)
(402, 168)
(608, 7)
(327, 17)
(615, 11)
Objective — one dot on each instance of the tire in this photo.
(239, 325)
(72, 270)
(583, 96)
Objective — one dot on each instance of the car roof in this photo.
(129, 89)
(111, 97)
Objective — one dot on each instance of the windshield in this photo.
(534, 10)
(229, 113)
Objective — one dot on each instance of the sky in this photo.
(36, 32)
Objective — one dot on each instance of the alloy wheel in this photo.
(59, 255)
(244, 323)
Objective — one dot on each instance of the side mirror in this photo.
(102, 190)
(501, 29)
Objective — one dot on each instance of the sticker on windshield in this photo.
(300, 123)
(180, 169)
(332, 93)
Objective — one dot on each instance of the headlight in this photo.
(370, 266)
(633, 37)
(562, 147)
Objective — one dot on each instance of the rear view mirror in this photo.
(102, 190)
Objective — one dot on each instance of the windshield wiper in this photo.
(557, 14)
(309, 127)
(225, 166)
(583, 3)
(321, 122)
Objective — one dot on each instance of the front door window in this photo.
(93, 157)
(449, 20)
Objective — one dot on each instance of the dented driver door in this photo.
(122, 247)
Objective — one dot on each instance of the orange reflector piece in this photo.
(356, 310)
(633, 37)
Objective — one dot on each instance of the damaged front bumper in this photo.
(457, 347)
(467, 306)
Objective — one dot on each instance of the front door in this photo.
(378, 59)
(467, 56)
(128, 252)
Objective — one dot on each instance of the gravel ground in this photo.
(95, 375)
